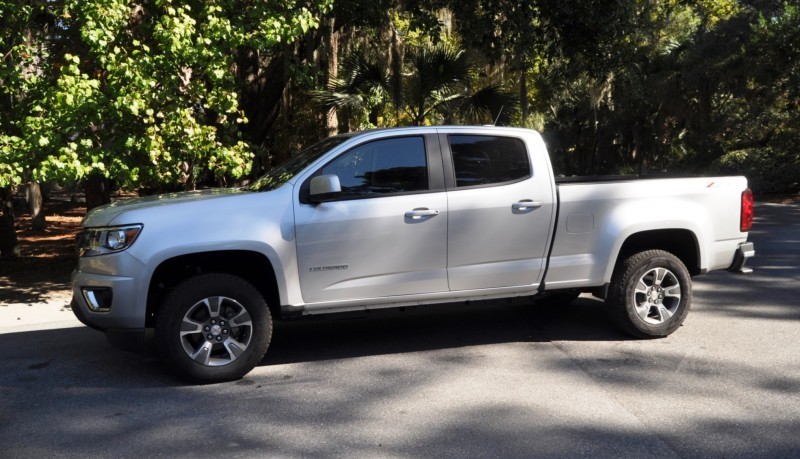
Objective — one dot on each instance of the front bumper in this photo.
(106, 299)
(123, 309)
(745, 251)
(128, 339)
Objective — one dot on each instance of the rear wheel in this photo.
(213, 328)
(650, 294)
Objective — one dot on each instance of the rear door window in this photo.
(488, 160)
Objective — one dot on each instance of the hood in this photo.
(104, 215)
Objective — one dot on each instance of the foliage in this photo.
(160, 91)
(769, 170)
(644, 86)
(769, 109)
(435, 85)
(362, 90)
(140, 92)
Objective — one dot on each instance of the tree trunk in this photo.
(9, 245)
(98, 191)
(33, 194)
(285, 142)
(261, 90)
(523, 92)
(637, 153)
(47, 190)
(396, 76)
(332, 46)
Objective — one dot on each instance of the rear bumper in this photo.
(745, 251)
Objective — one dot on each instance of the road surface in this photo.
(501, 378)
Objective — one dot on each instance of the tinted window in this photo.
(482, 159)
(292, 166)
(396, 165)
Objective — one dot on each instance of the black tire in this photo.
(557, 299)
(650, 294)
(231, 333)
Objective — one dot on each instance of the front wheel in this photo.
(650, 294)
(213, 328)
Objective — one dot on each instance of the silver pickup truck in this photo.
(398, 217)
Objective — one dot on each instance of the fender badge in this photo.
(315, 269)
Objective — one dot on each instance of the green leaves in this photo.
(12, 163)
(148, 91)
(435, 83)
(136, 92)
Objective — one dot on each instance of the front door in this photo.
(385, 236)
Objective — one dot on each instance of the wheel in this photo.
(213, 328)
(557, 299)
(650, 294)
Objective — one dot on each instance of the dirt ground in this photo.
(42, 273)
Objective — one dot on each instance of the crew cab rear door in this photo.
(500, 210)
(386, 235)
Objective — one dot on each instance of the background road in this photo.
(490, 379)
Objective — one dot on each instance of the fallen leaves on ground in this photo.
(47, 256)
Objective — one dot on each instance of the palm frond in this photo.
(358, 72)
(488, 105)
(436, 75)
(328, 99)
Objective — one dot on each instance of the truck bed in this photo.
(695, 216)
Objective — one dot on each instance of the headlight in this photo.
(100, 241)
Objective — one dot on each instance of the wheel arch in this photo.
(254, 267)
(680, 242)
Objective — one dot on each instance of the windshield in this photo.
(292, 166)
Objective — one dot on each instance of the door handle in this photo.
(421, 212)
(526, 204)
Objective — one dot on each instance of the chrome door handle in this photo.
(526, 204)
(421, 212)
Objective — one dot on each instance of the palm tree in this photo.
(362, 88)
(436, 77)
(435, 82)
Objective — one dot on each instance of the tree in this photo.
(435, 86)
(144, 93)
(135, 93)
(9, 245)
(759, 125)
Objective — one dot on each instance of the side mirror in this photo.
(324, 188)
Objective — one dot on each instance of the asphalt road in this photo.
(499, 379)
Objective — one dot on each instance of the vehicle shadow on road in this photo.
(439, 327)
(81, 356)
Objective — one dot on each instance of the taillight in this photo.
(747, 211)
